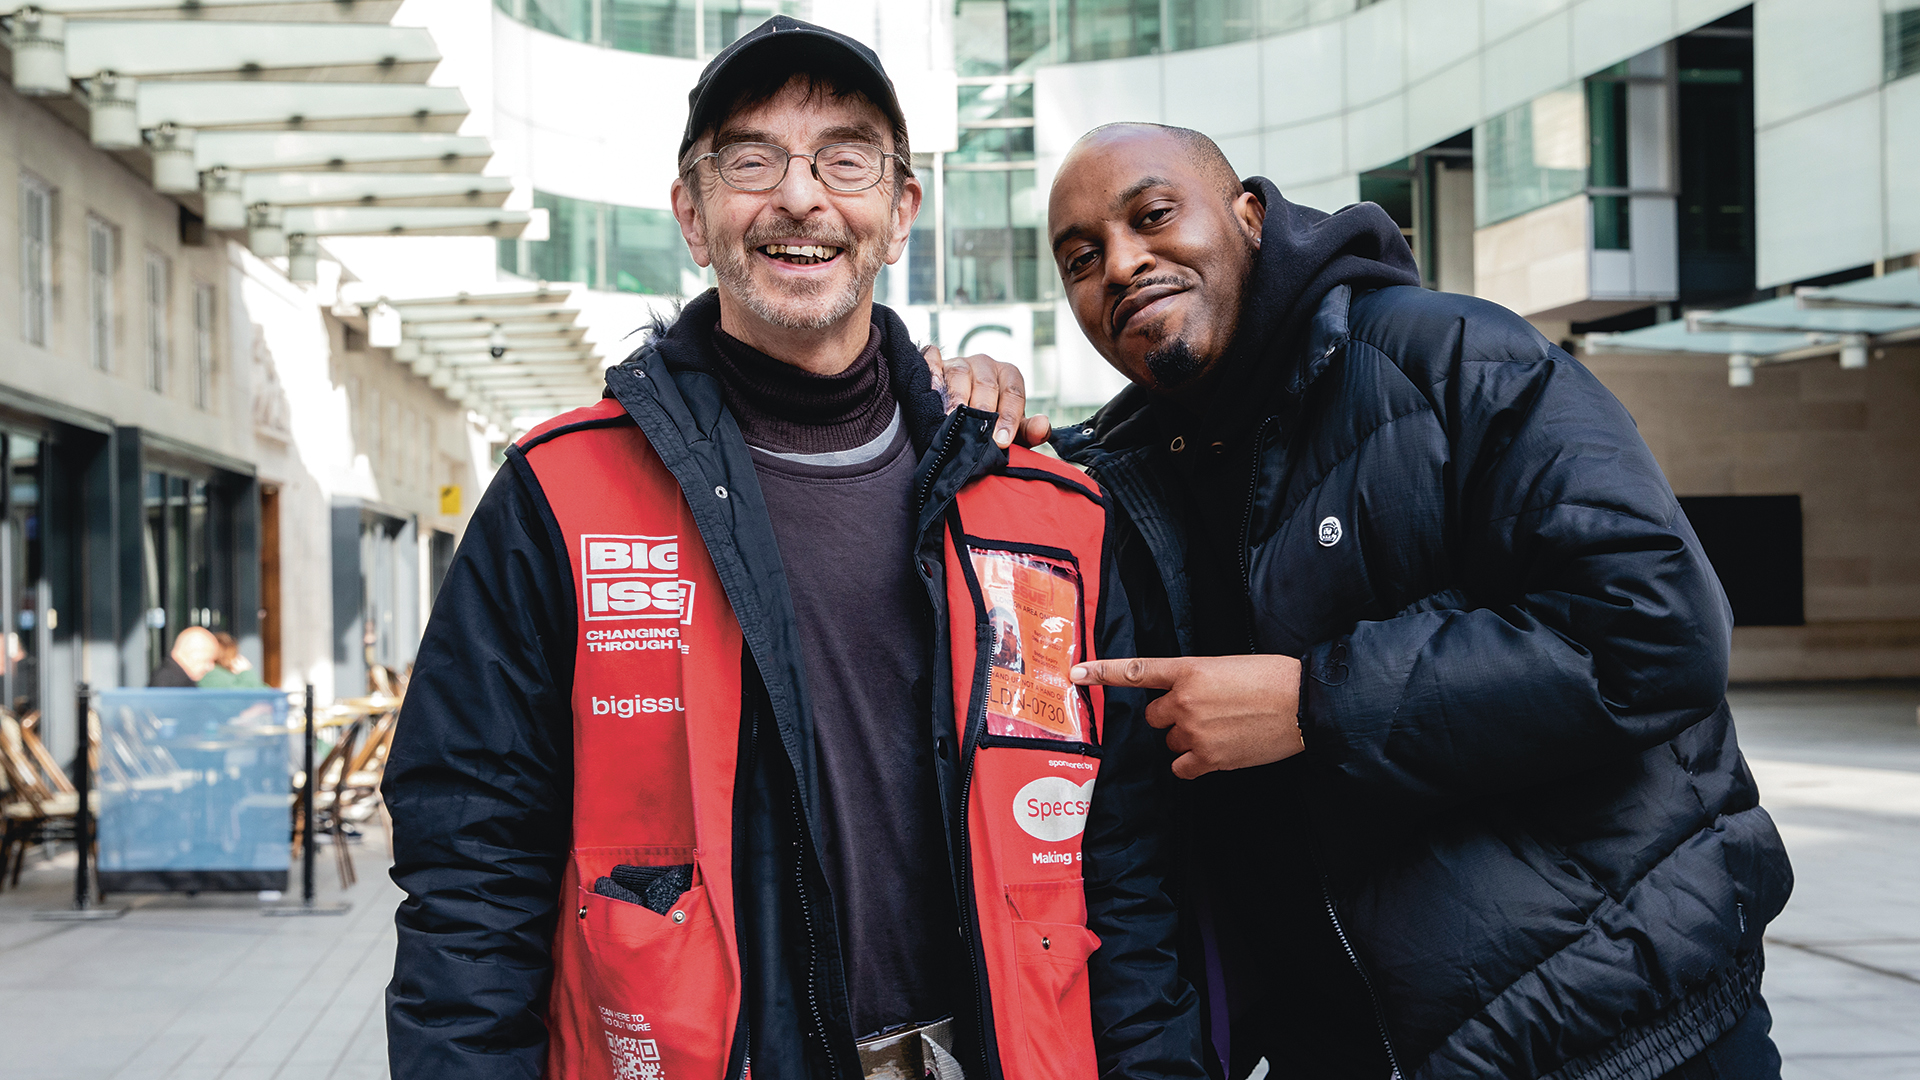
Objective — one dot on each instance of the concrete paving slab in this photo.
(207, 989)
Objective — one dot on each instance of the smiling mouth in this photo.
(800, 254)
(1128, 308)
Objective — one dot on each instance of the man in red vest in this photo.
(742, 737)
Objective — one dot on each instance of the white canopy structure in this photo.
(1846, 319)
(288, 121)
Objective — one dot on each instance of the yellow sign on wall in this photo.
(450, 499)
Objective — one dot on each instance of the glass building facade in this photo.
(684, 28)
(605, 246)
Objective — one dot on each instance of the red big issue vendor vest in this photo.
(656, 709)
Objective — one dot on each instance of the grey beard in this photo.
(810, 311)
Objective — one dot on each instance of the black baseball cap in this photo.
(814, 49)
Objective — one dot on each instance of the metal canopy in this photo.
(1791, 314)
(405, 220)
(356, 151)
(471, 301)
(304, 106)
(1899, 290)
(547, 363)
(443, 335)
(503, 314)
(1812, 322)
(319, 52)
(1674, 337)
(331, 11)
(363, 11)
(375, 189)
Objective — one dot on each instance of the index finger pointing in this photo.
(1139, 671)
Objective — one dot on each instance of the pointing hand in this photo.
(1219, 712)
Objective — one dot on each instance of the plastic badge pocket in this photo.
(658, 983)
(1033, 604)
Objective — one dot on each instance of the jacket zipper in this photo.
(1246, 530)
(1326, 894)
(1379, 1014)
(746, 1027)
(963, 865)
(968, 906)
(813, 940)
(933, 470)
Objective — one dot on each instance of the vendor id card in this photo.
(1033, 604)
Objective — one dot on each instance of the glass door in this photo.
(23, 585)
(179, 550)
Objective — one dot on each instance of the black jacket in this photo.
(479, 777)
(1521, 803)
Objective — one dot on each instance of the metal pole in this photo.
(83, 909)
(307, 906)
(306, 812)
(83, 816)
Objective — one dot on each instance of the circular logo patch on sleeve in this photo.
(1053, 808)
(1329, 531)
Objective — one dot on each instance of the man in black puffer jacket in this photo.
(1446, 663)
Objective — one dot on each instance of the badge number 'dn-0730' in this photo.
(633, 577)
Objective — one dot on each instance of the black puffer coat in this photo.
(1521, 791)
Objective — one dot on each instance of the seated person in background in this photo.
(195, 652)
(231, 670)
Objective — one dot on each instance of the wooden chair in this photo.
(39, 794)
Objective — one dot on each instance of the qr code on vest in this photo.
(634, 1059)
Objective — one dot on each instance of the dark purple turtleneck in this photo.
(836, 468)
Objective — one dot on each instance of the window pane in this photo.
(572, 250)
(728, 19)
(646, 253)
(157, 329)
(660, 27)
(1199, 23)
(1001, 37)
(994, 144)
(1530, 157)
(567, 18)
(997, 102)
(1607, 120)
(1105, 29)
(100, 258)
(1903, 43)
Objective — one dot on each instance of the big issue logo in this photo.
(633, 577)
(1053, 808)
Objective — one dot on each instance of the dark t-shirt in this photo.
(170, 673)
(845, 532)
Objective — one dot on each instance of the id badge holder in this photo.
(1034, 605)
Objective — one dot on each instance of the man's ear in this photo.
(1252, 215)
(905, 209)
(687, 212)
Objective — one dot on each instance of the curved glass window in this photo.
(1010, 37)
(604, 246)
(692, 29)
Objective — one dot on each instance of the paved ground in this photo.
(207, 988)
(198, 988)
(1839, 769)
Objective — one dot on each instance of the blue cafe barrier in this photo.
(195, 790)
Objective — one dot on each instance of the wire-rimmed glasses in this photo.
(845, 167)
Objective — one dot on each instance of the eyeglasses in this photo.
(844, 167)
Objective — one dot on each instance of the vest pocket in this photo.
(1055, 1013)
(657, 982)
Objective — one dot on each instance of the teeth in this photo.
(811, 251)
